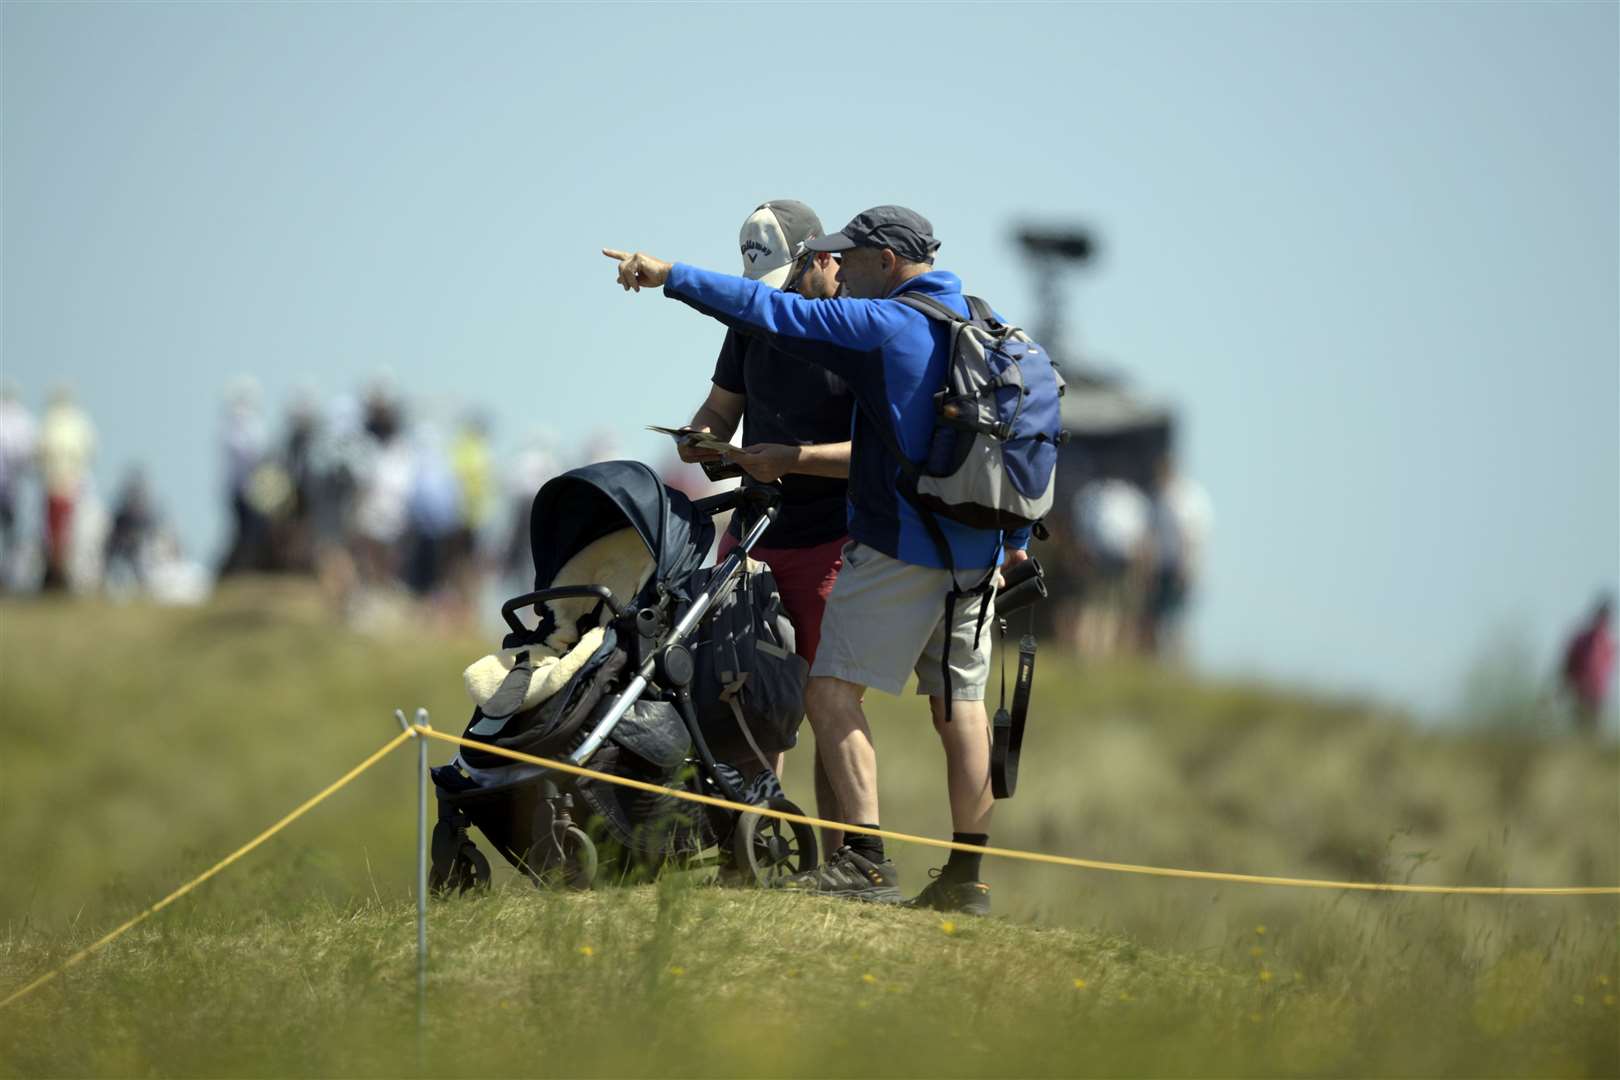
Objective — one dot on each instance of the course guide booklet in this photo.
(702, 440)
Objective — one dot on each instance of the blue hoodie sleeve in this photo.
(1018, 539)
(856, 326)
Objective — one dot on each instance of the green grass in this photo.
(138, 745)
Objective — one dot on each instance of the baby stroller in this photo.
(635, 661)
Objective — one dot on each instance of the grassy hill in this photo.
(137, 745)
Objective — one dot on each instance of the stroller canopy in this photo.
(583, 505)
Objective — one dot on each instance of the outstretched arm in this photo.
(847, 323)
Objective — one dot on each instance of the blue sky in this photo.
(1372, 252)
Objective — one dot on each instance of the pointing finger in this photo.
(620, 255)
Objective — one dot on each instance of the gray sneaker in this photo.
(966, 897)
(850, 875)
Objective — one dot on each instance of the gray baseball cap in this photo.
(905, 232)
(773, 236)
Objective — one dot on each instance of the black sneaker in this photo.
(967, 897)
(851, 875)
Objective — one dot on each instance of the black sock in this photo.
(869, 848)
(964, 865)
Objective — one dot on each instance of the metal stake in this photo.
(421, 877)
(421, 870)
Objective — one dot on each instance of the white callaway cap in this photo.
(773, 236)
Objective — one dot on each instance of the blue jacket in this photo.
(894, 360)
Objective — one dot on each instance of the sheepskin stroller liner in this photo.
(600, 673)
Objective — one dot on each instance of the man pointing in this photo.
(887, 615)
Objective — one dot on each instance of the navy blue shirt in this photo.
(795, 404)
(893, 359)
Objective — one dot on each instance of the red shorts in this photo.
(804, 576)
(58, 527)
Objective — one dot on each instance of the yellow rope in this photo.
(302, 809)
(1028, 856)
(804, 819)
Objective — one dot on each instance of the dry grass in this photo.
(139, 745)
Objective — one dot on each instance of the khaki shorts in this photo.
(886, 619)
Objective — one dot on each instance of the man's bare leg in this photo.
(844, 746)
(967, 763)
(966, 740)
(860, 869)
(827, 808)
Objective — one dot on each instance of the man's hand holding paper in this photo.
(694, 444)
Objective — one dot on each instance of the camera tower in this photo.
(1050, 252)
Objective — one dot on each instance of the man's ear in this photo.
(890, 260)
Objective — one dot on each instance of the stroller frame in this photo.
(677, 669)
(561, 851)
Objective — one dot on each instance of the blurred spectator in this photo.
(335, 467)
(1588, 666)
(1111, 521)
(531, 468)
(171, 578)
(244, 443)
(474, 467)
(382, 501)
(19, 437)
(134, 522)
(294, 532)
(1180, 519)
(67, 442)
(433, 514)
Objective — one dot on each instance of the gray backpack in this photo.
(997, 425)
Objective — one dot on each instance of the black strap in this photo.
(945, 653)
(930, 307)
(1001, 638)
(984, 592)
(978, 310)
(1007, 730)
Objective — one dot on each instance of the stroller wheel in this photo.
(460, 870)
(771, 849)
(579, 858)
(569, 860)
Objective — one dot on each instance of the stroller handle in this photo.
(510, 609)
(763, 497)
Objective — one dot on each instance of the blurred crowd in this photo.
(58, 534)
(1129, 563)
(398, 516)
(389, 513)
